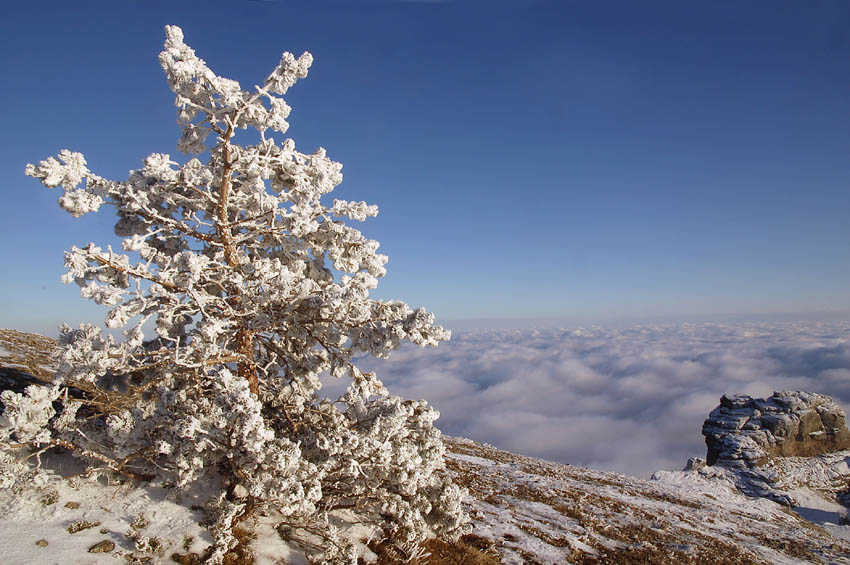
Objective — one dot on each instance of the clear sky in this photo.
(530, 159)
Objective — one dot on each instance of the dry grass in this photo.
(239, 555)
(468, 550)
(26, 352)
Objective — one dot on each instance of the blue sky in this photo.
(530, 159)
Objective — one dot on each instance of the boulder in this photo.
(745, 432)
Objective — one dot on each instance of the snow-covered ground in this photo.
(524, 510)
(547, 512)
(37, 524)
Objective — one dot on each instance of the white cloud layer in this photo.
(628, 400)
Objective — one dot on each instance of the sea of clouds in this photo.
(630, 400)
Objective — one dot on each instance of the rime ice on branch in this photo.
(256, 287)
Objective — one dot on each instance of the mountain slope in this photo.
(538, 511)
(524, 510)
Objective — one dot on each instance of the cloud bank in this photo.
(628, 400)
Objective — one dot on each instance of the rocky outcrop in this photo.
(745, 432)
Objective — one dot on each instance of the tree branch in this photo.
(137, 274)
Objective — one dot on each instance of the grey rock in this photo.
(694, 464)
(744, 433)
(736, 401)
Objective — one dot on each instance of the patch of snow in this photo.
(46, 514)
(815, 508)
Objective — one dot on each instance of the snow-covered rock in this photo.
(745, 432)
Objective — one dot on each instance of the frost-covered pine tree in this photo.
(255, 287)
